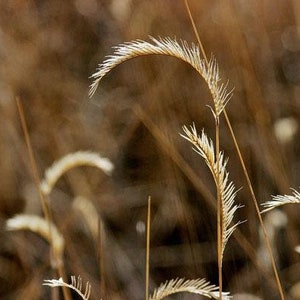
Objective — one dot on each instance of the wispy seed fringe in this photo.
(170, 47)
(280, 200)
(72, 160)
(204, 146)
(76, 285)
(39, 226)
(196, 286)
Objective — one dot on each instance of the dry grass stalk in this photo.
(204, 147)
(170, 47)
(46, 210)
(40, 226)
(280, 200)
(196, 286)
(147, 267)
(209, 70)
(76, 285)
(274, 222)
(253, 197)
(72, 160)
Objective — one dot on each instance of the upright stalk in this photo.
(253, 197)
(148, 248)
(35, 173)
(101, 253)
(219, 209)
(45, 207)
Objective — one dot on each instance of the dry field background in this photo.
(48, 50)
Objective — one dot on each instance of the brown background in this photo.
(48, 50)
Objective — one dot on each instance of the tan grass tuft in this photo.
(170, 47)
(204, 146)
(72, 160)
(39, 226)
(280, 200)
(76, 285)
(195, 286)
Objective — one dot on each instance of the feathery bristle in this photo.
(204, 146)
(72, 160)
(39, 226)
(195, 286)
(76, 285)
(280, 200)
(170, 47)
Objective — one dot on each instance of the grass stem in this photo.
(148, 248)
(100, 243)
(219, 209)
(44, 204)
(253, 197)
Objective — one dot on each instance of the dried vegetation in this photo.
(49, 50)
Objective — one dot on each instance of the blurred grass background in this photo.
(48, 50)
